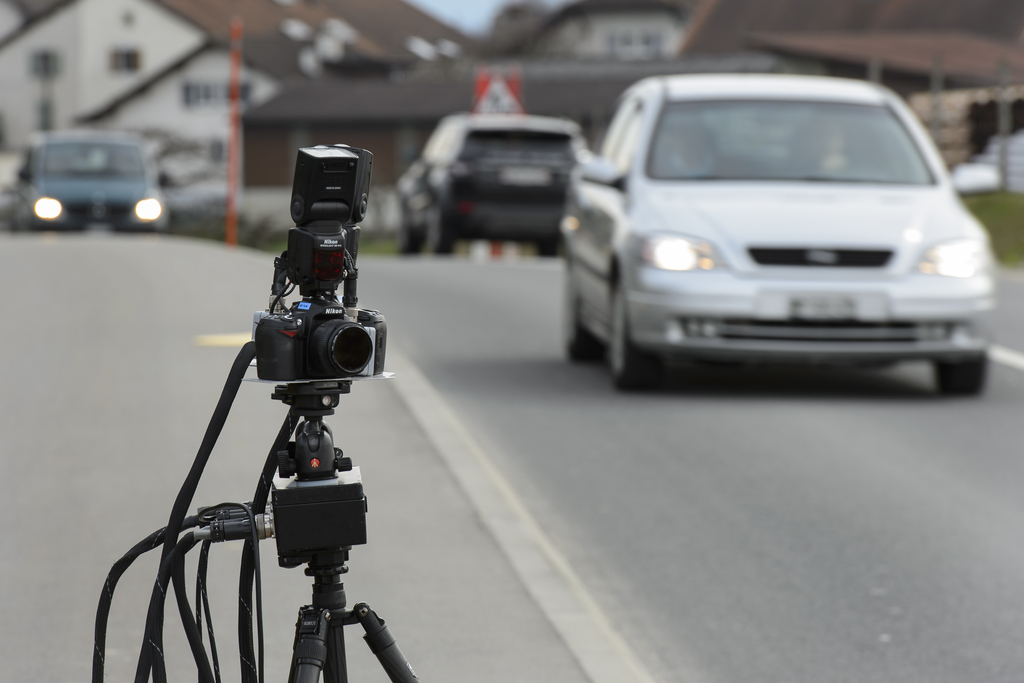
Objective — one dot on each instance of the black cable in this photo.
(203, 603)
(151, 542)
(254, 540)
(247, 567)
(188, 488)
(192, 629)
(154, 636)
(217, 420)
(273, 305)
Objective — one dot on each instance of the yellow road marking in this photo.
(234, 339)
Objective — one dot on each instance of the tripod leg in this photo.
(335, 668)
(310, 645)
(383, 645)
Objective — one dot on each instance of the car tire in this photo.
(440, 236)
(548, 247)
(961, 379)
(580, 343)
(409, 241)
(631, 368)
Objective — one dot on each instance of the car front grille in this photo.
(827, 331)
(848, 258)
(99, 213)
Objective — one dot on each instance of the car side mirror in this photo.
(603, 171)
(976, 179)
(24, 173)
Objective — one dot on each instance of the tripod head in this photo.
(318, 503)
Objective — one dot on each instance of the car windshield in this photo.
(519, 145)
(779, 140)
(91, 160)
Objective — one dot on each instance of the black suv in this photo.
(493, 177)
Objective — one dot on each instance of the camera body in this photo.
(321, 337)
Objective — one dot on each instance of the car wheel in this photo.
(440, 236)
(964, 379)
(548, 247)
(409, 241)
(631, 368)
(580, 343)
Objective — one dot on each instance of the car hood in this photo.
(736, 218)
(93, 190)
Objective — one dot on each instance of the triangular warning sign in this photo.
(498, 94)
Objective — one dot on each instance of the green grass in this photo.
(1002, 213)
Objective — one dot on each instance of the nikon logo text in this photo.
(335, 311)
(330, 241)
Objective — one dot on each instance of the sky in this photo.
(469, 16)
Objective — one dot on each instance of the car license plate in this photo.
(823, 308)
(524, 175)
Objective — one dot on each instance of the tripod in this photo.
(317, 518)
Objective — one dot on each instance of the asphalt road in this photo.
(770, 525)
(104, 399)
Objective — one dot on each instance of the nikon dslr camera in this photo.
(321, 337)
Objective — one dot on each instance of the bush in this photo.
(1002, 214)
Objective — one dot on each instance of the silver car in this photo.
(772, 218)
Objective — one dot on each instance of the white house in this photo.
(595, 29)
(160, 67)
(79, 55)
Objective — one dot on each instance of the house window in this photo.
(43, 64)
(125, 60)
(44, 114)
(211, 94)
(635, 44)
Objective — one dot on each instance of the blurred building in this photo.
(911, 46)
(575, 62)
(160, 67)
(592, 29)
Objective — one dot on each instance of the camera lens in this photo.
(341, 347)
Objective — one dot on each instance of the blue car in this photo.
(79, 180)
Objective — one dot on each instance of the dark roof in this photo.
(390, 23)
(386, 103)
(573, 88)
(384, 26)
(34, 13)
(584, 7)
(723, 25)
(963, 55)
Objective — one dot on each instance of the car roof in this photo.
(519, 122)
(770, 86)
(86, 136)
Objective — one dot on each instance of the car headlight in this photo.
(148, 209)
(679, 253)
(47, 208)
(960, 258)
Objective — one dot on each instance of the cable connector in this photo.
(233, 524)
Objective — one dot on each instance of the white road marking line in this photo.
(1008, 357)
(544, 570)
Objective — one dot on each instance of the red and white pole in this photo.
(234, 132)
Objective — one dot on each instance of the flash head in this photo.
(331, 186)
